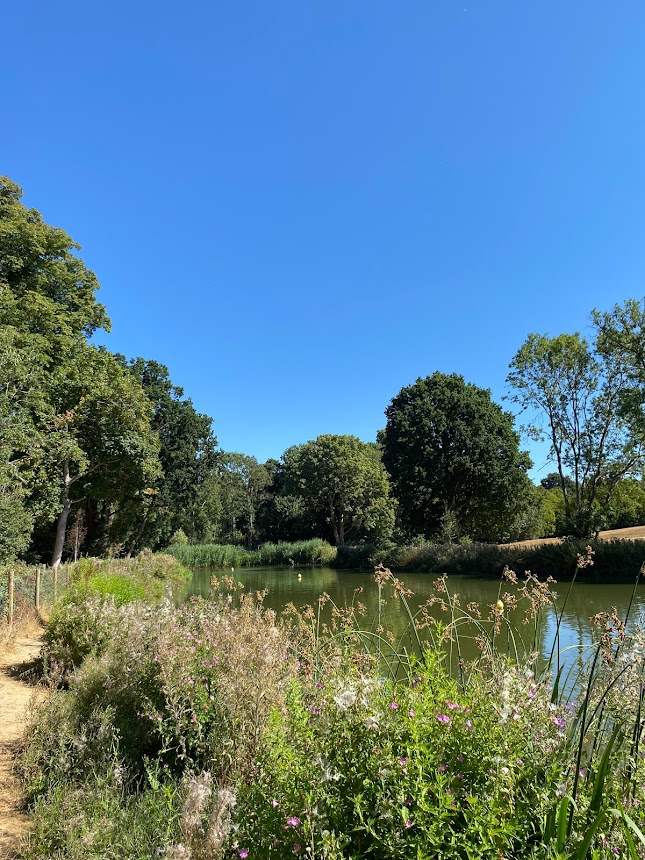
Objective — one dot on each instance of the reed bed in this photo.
(309, 552)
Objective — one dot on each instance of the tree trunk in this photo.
(334, 525)
(61, 525)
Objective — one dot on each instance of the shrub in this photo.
(363, 768)
(179, 537)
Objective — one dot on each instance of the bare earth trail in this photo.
(16, 692)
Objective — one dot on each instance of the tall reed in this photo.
(308, 552)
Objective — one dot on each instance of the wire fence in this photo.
(24, 590)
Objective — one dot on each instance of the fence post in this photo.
(37, 590)
(10, 599)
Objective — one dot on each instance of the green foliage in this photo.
(46, 289)
(579, 394)
(87, 615)
(342, 478)
(453, 453)
(241, 486)
(366, 769)
(175, 499)
(179, 538)
(103, 819)
(314, 551)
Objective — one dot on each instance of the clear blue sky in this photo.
(302, 206)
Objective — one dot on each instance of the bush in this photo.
(362, 768)
(195, 682)
(179, 538)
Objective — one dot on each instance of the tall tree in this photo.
(243, 484)
(48, 304)
(342, 479)
(620, 342)
(101, 443)
(23, 411)
(45, 289)
(186, 455)
(578, 398)
(454, 460)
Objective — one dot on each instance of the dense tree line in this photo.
(101, 453)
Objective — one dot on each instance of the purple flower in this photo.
(560, 722)
(468, 724)
(297, 848)
(442, 718)
(411, 713)
(244, 853)
(393, 706)
(403, 761)
(294, 821)
(443, 768)
(408, 823)
(274, 803)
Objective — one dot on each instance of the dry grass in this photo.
(27, 623)
(632, 533)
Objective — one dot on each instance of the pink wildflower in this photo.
(244, 853)
(442, 718)
(294, 821)
(393, 706)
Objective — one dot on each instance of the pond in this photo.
(303, 586)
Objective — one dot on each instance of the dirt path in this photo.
(16, 692)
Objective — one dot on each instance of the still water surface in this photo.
(576, 629)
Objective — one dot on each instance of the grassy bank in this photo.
(218, 730)
(614, 560)
(305, 552)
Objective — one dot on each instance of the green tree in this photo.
(186, 456)
(47, 311)
(243, 487)
(620, 343)
(22, 413)
(45, 289)
(100, 445)
(454, 458)
(577, 397)
(342, 479)
(283, 516)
